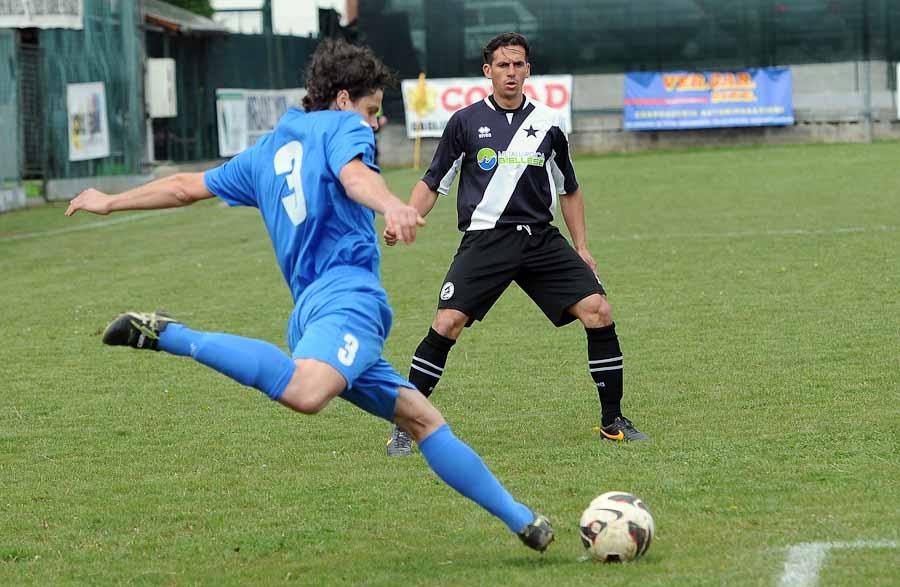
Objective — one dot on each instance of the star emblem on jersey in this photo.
(447, 291)
(531, 131)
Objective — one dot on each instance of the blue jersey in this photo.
(293, 176)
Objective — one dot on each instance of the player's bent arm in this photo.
(181, 189)
(573, 212)
(366, 187)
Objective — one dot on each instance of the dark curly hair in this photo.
(337, 65)
(503, 40)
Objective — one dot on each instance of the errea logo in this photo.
(484, 132)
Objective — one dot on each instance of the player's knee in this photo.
(594, 311)
(309, 390)
(449, 323)
(604, 312)
(416, 415)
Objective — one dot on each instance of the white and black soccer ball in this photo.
(616, 527)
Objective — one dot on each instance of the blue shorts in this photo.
(343, 320)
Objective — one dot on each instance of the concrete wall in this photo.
(828, 107)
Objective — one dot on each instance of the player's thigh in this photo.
(484, 266)
(376, 390)
(349, 340)
(555, 277)
(313, 384)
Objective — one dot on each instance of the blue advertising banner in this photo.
(714, 99)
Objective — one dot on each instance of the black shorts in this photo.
(538, 258)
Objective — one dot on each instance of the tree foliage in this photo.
(201, 7)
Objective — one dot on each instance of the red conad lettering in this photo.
(557, 95)
(446, 96)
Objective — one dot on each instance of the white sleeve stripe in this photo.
(447, 180)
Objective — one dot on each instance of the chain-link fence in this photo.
(9, 121)
(108, 50)
(204, 64)
(443, 37)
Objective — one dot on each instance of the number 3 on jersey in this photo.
(288, 160)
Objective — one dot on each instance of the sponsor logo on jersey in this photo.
(533, 158)
(487, 159)
(484, 132)
(447, 291)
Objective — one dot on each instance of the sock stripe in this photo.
(424, 362)
(598, 361)
(597, 369)
(417, 368)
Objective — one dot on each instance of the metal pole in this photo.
(267, 17)
(867, 75)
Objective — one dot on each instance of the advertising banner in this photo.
(688, 100)
(245, 115)
(88, 124)
(41, 14)
(429, 105)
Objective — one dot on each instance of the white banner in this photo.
(245, 115)
(428, 111)
(42, 14)
(88, 124)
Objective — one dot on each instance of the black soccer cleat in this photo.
(538, 534)
(622, 430)
(137, 330)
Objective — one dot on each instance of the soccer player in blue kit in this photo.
(317, 187)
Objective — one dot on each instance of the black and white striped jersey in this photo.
(513, 164)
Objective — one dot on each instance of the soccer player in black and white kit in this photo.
(512, 156)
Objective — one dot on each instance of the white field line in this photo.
(804, 561)
(89, 226)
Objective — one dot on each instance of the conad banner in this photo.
(245, 115)
(430, 105)
(685, 100)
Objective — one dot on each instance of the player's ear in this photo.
(486, 69)
(342, 100)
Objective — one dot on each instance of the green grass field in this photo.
(757, 297)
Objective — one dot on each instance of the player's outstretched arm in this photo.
(181, 189)
(573, 212)
(368, 188)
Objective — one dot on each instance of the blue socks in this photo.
(252, 362)
(463, 470)
(264, 366)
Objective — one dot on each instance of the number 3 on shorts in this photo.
(347, 353)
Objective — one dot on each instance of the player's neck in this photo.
(510, 105)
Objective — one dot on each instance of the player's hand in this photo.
(588, 258)
(89, 200)
(402, 221)
(390, 239)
